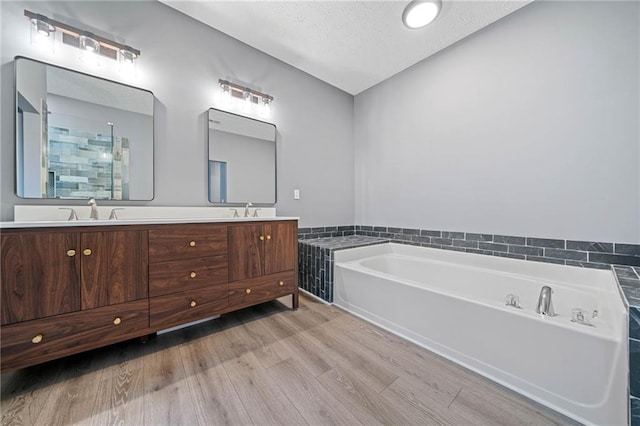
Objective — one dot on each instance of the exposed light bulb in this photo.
(42, 33)
(89, 50)
(127, 60)
(265, 108)
(246, 105)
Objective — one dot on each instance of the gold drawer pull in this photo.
(37, 339)
(86, 252)
(261, 237)
(117, 321)
(192, 274)
(71, 253)
(248, 291)
(192, 243)
(193, 304)
(268, 237)
(280, 282)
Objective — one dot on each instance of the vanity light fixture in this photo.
(420, 13)
(249, 98)
(42, 32)
(92, 47)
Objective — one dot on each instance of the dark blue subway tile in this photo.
(566, 254)
(411, 231)
(634, 323)
(614, 259)
(545, 242)
(442, 241)
(380, 228)
(366, 228)
(304, 230)
(635, 411)
(317, 229)
(420, 239)
(465, 243)
(590, 246)
(626, 272)
(634, 367)
(545, 260)
(628, 249)
(493, 247)
(429, 233)
(479, 237)
(346, 228)
(394, 230)
(529, 251)
(456, 235)
(507, 239)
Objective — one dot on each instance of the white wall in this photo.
(529, 127)
(181, 62)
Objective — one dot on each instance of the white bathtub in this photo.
(453, 304)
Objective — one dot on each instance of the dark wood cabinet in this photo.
(261, 250)
(40, 275)
(70, 289)
(114, 267)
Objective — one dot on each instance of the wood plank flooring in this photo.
(265, 365)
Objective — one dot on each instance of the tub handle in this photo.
(512, 300)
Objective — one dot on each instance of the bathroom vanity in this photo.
(68, 288)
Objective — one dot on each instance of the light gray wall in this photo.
(529, 127)
(181, 62)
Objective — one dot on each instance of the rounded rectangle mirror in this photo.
(80, 136)
(242, 159)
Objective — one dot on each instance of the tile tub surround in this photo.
(589, 254)
(315, 260)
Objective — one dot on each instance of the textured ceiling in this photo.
(352, 45)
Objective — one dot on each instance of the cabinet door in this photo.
(40, 275)
(115, 267)
(246, 251)
(281, 247)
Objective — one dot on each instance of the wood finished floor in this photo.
(264, 365)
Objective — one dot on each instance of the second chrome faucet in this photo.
(545, 305)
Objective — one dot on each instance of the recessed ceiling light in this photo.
(420, 13)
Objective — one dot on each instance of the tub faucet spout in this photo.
(545, 305)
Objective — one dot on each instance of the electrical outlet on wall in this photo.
(296, 194)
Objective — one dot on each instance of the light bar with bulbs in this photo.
(249, 96)
(43, 31)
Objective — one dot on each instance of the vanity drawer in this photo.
(187, 306)
(189, 274)
(40, 340)
(174, 242)
(261, 289)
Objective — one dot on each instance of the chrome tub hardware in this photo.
(584, 317)
(512, 300)
(545, 305)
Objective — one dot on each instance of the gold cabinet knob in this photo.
(248, 291)
(192, 243)
(71, 253)
(268, 237)
(117, 321)
(261, 237)
(281, 283)
(37, 338)
(193, 304)
(86, 252)
(192, 274)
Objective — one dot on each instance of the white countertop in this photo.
(150, 221)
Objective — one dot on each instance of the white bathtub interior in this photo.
(454, 304)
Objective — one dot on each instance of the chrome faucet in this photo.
(94, 209)
(246, 209)
(545, 305)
